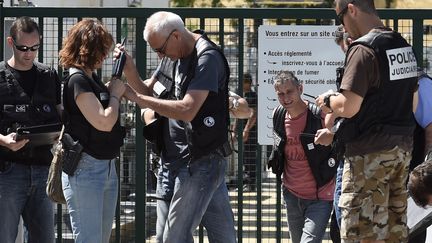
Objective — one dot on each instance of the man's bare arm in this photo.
(185, 109)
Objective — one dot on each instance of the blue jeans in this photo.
(91, 196)
(199, 195)
(22, 192)
(307, 219)
(337, 193)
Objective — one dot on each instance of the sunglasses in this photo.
(341, 14)
(161, 50)
(25, 48)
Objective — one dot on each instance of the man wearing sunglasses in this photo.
(191, 93)
(30, 96)
(376, 97)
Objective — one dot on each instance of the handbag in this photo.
(54, 188)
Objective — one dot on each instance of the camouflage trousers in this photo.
(374, 197)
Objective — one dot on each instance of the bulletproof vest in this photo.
(20, 110)
(83, 131)
(321, 159)
(208, 131)
(386, 108)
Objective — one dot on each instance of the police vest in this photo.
(321, 159)
(208, 131)
(99, 144)
(386, 109)
(20, 110)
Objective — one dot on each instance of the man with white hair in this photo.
(189, 92)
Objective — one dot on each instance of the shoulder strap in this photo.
(7, 76)
(313, 119)
(68, 74)
(279, 120)
(198, 52)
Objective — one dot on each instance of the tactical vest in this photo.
(208, 131)
(20, 110)
(386, 109)
(80, 129)
(321, 159)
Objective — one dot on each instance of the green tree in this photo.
(182, 3)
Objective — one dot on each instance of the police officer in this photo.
(30, 95)
(376, 96)
(192, 86)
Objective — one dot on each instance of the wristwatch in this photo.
(327, 100)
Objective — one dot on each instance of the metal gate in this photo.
(258, 213)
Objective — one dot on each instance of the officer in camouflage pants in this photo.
(375, 98)
(370, 176)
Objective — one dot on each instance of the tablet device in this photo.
(39, 135)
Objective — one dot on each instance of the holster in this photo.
(71, 154)
(152, 132)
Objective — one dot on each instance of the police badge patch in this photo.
(46, 108)
(209, 121)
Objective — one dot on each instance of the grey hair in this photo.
(163, 23)
(286, 76)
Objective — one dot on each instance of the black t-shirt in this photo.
(99, 144)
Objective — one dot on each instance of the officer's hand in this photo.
(9, 142)
(323, 137)
(116, 88)
(116, 54)
(319, 101)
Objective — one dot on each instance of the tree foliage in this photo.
(182, 3)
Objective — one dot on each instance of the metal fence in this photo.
(258, 213)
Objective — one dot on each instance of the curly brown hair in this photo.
(88, 42)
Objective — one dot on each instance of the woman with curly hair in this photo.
(92, 118)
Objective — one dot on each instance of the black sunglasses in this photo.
(25, 48)
(161, 50)
(341, 14)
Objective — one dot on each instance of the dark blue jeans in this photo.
(22, 192)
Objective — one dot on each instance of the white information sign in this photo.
(308, 51)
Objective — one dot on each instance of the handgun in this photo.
(119, 63)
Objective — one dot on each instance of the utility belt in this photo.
(350, 131)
